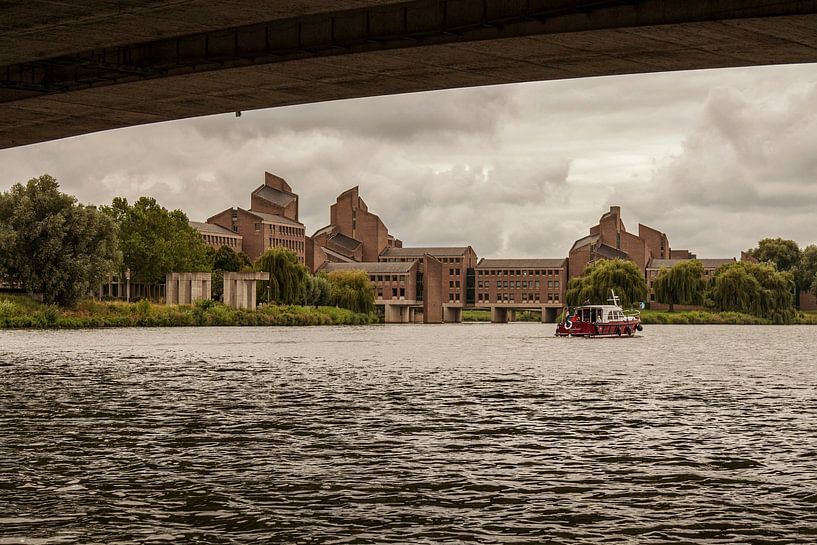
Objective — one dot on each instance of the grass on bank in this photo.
(679, 317)
(704, 317)
(18, 311)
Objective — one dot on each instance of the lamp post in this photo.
(127, 284)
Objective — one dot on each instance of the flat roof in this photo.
(421, 251)
(709, 263)
(544, 263)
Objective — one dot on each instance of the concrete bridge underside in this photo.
(69, 68)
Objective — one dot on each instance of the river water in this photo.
(471, 433)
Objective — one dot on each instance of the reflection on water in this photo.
(411, 434)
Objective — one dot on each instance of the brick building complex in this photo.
(518, 284)
(397, 287)
(450, 276)
(353, 234)
(271, 221)
(609, 239)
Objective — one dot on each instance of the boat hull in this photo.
(618, 328)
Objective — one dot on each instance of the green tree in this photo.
(785, 254)
(682, 284)
(805, 273)
(51, 244)
(601, 276)
(754, 288)
(225, 259)
(228, 260)
(155, 241)
(351, 290)
(289, 281)
(319, 291)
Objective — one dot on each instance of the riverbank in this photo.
(678, 317)
(20, 312)
(705, 317)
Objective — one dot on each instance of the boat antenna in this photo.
(614, 298)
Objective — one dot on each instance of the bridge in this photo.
(71, 68)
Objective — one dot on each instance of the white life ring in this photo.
(568, 323)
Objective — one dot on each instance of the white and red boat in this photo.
(600, 321)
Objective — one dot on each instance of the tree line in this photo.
(55, 246)
(767, 289)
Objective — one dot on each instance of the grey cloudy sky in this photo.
(717, 159)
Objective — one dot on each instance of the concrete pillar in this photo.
(249, 288)
(511, 315)
(172, 288)
(391, 314)
(499, 315)
(452, 315)
(207, 287)
(184, 288)
(239, 288)
(549, 315)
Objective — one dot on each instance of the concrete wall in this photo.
(432, 290)
(187, 288)
(240, 288)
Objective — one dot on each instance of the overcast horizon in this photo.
(717, 159)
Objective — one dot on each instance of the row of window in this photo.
(218, 241)
(518, 284)
(453, 272)
(396, 293)
(283, 230)
(295, 245)
(518, 272)
(511, 298)
(387, 277)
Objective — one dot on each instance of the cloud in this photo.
(715, 158)
(747, 170)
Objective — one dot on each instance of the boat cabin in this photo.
(600, 313)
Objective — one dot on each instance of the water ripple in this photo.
(450, 434)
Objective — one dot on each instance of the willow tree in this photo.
(754, 288)
(351, 290)
(289, 280)
(682, 284)
(622, 276)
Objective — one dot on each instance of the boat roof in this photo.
(603, 307)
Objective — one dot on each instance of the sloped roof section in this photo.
(274, 218)
(589, 239)
(345, 242)
(336, 255)
(212, 229)
(374, 267)
(275, 196)
(609, 252)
